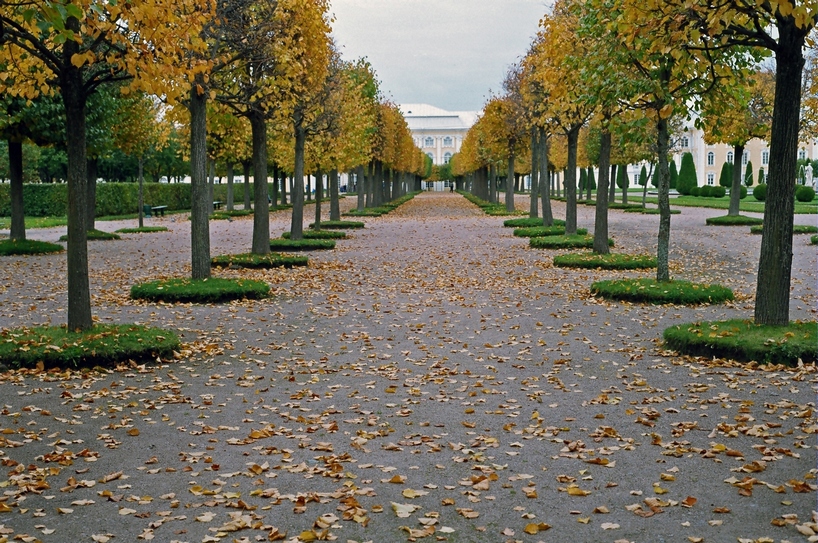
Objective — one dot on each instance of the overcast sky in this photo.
(447, 53)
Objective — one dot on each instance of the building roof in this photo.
(427, 117)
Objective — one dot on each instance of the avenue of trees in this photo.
(608, 83)
(253, 84)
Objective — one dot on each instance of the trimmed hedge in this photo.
(760, 192)
(733, 220)
(529, 222)
(625, 207)
(339, 225)
(670, 292)
(143, 230)
(318, 234)
(301, 244)
(611, 261)
(796, 229)
(564, 242)
(814, 240)
(745, 341)
(804, 193)
(494, 210)
(95, 235)
(222, 215)
(211, 290)
(102, 345)
(540, 231)
(10, 247)
(250, 260)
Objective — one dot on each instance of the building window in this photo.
(744, 158)
(429, 142)
(730, 157)
(802, 154)
(765, 157)
(685, 142)
(711, 158)
(711, 178)
(447, 141)
(446, 158)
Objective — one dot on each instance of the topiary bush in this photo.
(301, 244)
(95, 235)
(746, 341)
(804, 193)
(250, 260)
(742, 193)
(10, 247)
(529, 222)
(319, 234)
(718, 192)
(734, 220)
(564, 242)
(611, 261)
(687, 175)
(760, 192)
(211, 290)
(814, 240)
(339, 225)
(695, 191)
(142, 230)
(706, 191)
(665, 292)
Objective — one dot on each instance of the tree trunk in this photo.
(533, 208)
(510, 184)
(211, 178)
(378, 183)
(395, 192)
(601, 217)
(612, 188)
(571, 182)
(297, 224)
(91, 206)
(200, 201)
(735, 188)
(141, 167)
(544, 185)
(590, 195)
(273, 199)
(261, 209)
(73, 95)
(360, 188)
(229, 186)
(319, 196)
(663, 244)
(334, 205)
(775, 259)
(489, 183)
(246, 172)
(18, 217)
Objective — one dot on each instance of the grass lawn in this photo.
(28, 247)
(143, 230)
(749, 204)
(610, 261)
(249, 260)
(211, 290)
(669, 292)
(564, 242)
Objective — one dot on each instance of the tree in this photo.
(643, 176)
(687, 175)
(623, 181)
(748, 174)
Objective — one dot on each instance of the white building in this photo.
(439, 133)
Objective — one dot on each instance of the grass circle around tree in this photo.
(745, 341)
(282, 244)
(95, 235)
(796, 229)
(10, 247)
(319, 234)
(564, 242)
(610, 261)
(650, 211)
(541, 231)
(102, 345)
(530, 222)
(224, 215)
(250, 260)
(339, 225)
(142, 230)
(200, 291)
(814, 240)
(734, 220)
(665, 292)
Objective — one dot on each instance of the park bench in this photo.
(148, 210)
(217, 204)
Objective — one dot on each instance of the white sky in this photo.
(447, 53)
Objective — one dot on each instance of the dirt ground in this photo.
(432, 378)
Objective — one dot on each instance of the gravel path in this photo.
(432, 378)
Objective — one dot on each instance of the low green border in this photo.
(319, 234)
(530, 222)
(733, 220)
(282, 244)
(796, 229)
(542, 231)
(95, 235)
(10, 247)
(253, 261)
(142, 230)
(339, 225)
(564, 242)
(610, 261)
(666, 292)
(211, 290)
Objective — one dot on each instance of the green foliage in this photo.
(102, 345)
(528, 222)
(705, 191)
(250, 260)
(564, 242)
(495, 210)
(319, 234)
(142, 230)
(814, 240)
(622, 179)
(718, 192)
(610, 261)
(796, 229)
(726, 175)
(211, 290)
(643, 176)
(737, 220)
(540, 231)
(762, 179)
(804, 193)
(748, 174)
(625, 207)
(665, 292)
(742, 194)
(760, 192)
(687, 175)
(227, 215)
(674, 175)
(10, 247)
(301, 244)
(749, 206)
(95, 235)
(746, 341)
(591, 180)
(339, 225)
(695, 191)
(583, 179)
